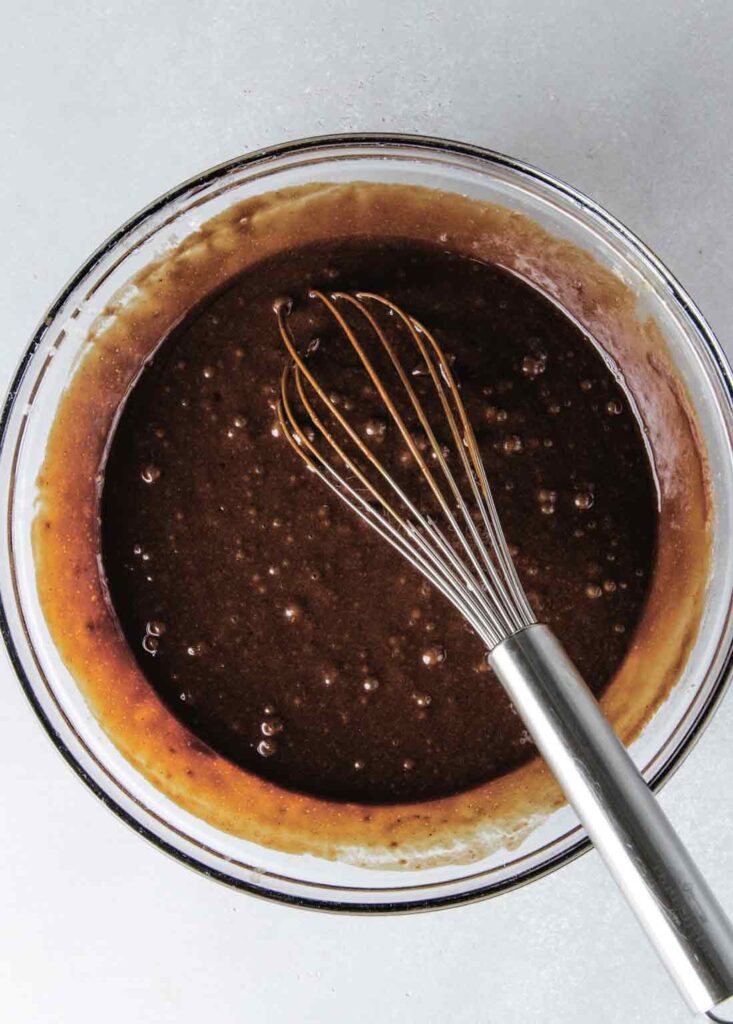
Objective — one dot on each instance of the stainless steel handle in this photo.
(671, 899)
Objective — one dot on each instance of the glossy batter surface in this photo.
(280, 630)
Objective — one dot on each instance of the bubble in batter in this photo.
(434, 655)
(583, 500)
(534, 365)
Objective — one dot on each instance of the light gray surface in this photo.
(104, 106)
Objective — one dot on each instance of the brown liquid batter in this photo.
(279, 629)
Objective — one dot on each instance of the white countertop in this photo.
(102, 107)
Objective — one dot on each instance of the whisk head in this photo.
(429, 496)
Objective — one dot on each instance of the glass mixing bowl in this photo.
(50, 360)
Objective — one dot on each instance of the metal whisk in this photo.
(436, 509)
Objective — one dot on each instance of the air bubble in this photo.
(150, 644)
(494, 415)
(583, 500)
(512, 445)
(293, 612)
(614, 407)
(547, 500)
(150, 473)
(444, 451)
(370, 684)
(266, 748)
(593, 591)
(405, 457)
(534, 365)
(272, 726)
(433, 656)
(375, 429)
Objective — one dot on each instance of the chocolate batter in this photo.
(280, 630)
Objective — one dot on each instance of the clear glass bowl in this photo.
(50, 360)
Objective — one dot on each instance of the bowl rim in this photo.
(312, 144)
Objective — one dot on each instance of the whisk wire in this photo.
(419, 553)
(478, 578)
(301, 440)
(463, 440)
(398, 419)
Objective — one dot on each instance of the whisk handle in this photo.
(684, 921)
